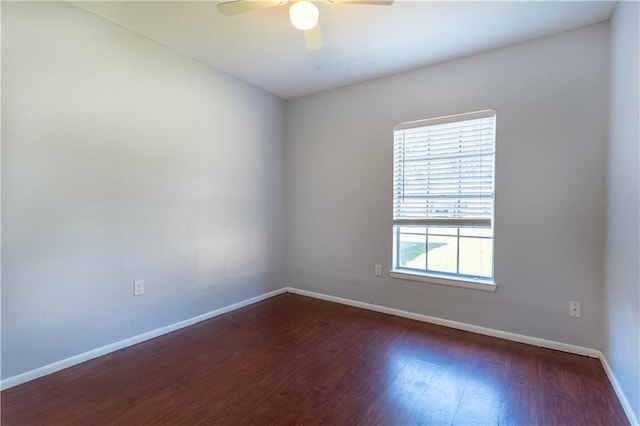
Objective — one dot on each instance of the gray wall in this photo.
(122, 160)
(551, 100)
(622, 281)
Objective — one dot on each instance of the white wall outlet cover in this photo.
(378, 270)
(138, 287)
(575, 309)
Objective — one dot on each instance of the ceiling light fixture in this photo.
(304, 15)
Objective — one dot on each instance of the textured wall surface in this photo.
(551, 97)
(622, 281)
(122, 160)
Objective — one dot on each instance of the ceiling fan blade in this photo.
(313, 37)
(367, 2)
(236, 7)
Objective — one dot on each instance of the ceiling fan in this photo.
(302, 13)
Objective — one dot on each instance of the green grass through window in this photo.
(412, 250)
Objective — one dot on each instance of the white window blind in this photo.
(443, 171)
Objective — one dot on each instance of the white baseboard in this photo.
(626, 406)
(95, 353)
(579, 350)
(550, 344)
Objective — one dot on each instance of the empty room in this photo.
(332, 212)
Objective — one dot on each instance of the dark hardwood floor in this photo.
(296, 360)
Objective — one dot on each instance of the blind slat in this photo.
(476, 223)
(443, 171)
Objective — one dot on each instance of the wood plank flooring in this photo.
(296, 360)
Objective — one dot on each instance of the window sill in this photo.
(403, 274)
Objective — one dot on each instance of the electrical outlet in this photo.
(378, 270)
(138, 287)
(575, 309)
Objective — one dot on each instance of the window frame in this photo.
(437, 277)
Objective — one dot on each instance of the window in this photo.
(443, 199)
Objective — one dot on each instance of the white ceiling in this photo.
(361, 42)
